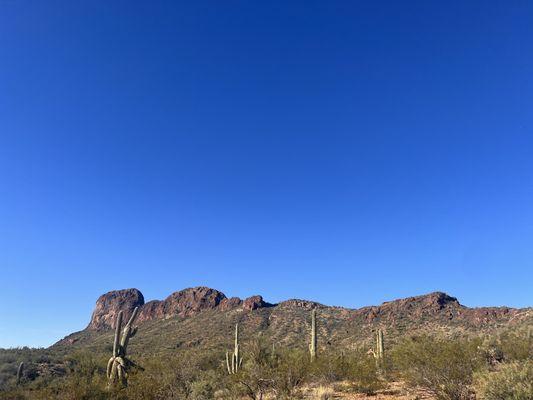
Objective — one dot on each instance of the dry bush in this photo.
(515, 345)
(513, 381)
(323, 393)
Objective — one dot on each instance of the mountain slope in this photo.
(203, 318)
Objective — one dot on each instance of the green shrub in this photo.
(365, 375)
(513, 381)
(444, 367)
(289, 373)
(516, 345)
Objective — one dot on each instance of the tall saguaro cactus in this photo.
(118, 364)
(379, 352)
(313, 343)
(236, 360)
(20, 371)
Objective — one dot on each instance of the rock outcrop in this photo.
(254, 302)
(184, 303)
(434, 307)
(108, 305)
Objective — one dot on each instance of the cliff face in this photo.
(108, 305)
(184, 303)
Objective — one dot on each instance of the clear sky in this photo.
(349, 152)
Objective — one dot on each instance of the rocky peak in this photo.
(440, 300)
(435, 300)
(299, 303)
(108, 306)
(255, 302)
(190, 301)
(183, 303)
(431, 304)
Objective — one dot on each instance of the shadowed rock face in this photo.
(108, 306)
(183, 303)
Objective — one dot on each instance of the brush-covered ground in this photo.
(495, 367)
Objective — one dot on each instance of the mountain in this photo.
(202, 317)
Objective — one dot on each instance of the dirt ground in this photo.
(394, 390)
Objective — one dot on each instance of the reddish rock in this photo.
(108, 306)
(228, 304)
(300, 303)
(190, 301)
(184, 303)
(436, 307)
(151, 310)
(427, 311)
(254, 302)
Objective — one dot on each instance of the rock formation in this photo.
(184, 303)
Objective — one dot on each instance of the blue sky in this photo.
(346, 152)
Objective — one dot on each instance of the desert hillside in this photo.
(202, 317)
(198, 344)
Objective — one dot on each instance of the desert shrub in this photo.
(188, 376)
(491, 351)
(516, 345)
(324, 393)
(85, 365)
(355, 367)
(289, 372)
(201, 390)
(280, 373)
(365, 375)
(255, 378)
(330, 367)
(444, 367)
(13, 396)
(513, 381)
(85, 380)
(11, 358)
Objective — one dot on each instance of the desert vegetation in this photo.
(413, 367)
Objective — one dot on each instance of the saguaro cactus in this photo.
(118, 364)
(236, 360)
(20, 371)
(379, 352)
(313, 343)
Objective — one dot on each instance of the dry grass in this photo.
(324, 393)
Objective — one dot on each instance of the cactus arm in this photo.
(113, 374)
(20, 371)
(129, 331)
(227, 363)
(109, 367)
(120, 374)
(116, 342)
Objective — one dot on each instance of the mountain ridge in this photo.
(198, 316)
